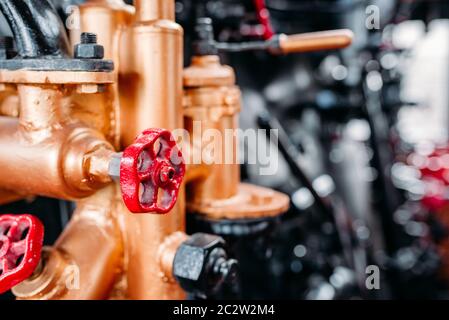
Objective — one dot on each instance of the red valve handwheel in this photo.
(151, 172)
(21, 238)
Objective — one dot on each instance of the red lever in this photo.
(21, 238)
(151, 172)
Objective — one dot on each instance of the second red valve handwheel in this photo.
(151, 172)
(21, 238)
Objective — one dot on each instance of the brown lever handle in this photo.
(315, 41)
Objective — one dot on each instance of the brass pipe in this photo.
(45, 150)
(148, 10)
(150, 80)
(211, 108)
(41, 110)
(107, 19)
(222, 178)
(86, 259)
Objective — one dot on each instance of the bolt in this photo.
(201, 265)
(88, 38)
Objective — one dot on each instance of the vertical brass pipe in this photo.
(150, 79)
(148, 10)
(107, 19)
(41, 109)
(212, 105)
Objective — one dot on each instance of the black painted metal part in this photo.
(202, 265)
(42, 42)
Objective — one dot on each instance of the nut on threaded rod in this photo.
(88, 48)
(88, 38)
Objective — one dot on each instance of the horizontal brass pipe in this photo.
(43, 153)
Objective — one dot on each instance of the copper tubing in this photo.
(89, 250)
(48, 149)
(315, 41)
(150, 79)
(148, 10)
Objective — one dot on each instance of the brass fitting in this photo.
(212, 102)
(48, 147)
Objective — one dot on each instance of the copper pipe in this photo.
(315, 41)
(150, 79)
(89, 248)
(107, 19)
(148, 10)
(46, 150)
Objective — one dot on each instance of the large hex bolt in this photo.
(89, 48)
(202, 266)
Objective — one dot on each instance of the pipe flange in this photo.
(58, 64)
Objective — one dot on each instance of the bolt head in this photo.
(195, 264)
(89, 51)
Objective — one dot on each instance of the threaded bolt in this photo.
(88, 38)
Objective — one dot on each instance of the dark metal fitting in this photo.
(202, 266)
(88, 48)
